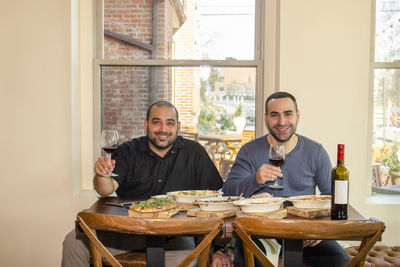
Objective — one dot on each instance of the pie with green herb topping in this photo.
(155, 204)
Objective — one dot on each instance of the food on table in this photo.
(314, 197)
(155, 204)
(260, 204)
(311, 201)
(196, 193)
(266, 202)
(218, 203)
(188, 196)
(262, 195)
(217, 199)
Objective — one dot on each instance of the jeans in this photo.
(76, 252)
(328, 253)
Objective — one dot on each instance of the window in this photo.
(386, 98)
(150, 50)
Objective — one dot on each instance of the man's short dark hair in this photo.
(162, 103)
(277, 95)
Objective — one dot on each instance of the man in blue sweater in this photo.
(307, 166)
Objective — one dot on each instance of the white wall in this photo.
(36, 202)
(325, 48)
(325, 64)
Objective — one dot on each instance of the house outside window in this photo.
(385, 66)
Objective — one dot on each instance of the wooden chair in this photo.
(235, 144)
(190, 135)
(225, 164)
(247, 135)
(90, 222)
(369, 231)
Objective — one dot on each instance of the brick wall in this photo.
(128, 91)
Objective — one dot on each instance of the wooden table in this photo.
(292, 235)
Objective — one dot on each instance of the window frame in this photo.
(374, 197)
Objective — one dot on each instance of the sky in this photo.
(227, 28)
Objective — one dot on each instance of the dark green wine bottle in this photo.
(340, 188)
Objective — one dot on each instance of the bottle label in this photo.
(341, 188)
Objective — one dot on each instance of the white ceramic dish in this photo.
(188, 196)
(264, 204)
(311, 202)
(216, 203)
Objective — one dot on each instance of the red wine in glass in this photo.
(277, 161)
(109, 143)
(276, 158)
(110, 149)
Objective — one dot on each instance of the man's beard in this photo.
(153, 140)
(292, 132)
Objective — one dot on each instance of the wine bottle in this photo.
(340, 187)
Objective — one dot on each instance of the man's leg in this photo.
(76, 251)
(177, 248)
(239, 254)
(327, 253)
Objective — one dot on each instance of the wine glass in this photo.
(276, 158)
(109, 143)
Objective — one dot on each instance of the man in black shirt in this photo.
(150, 165)
(157, 163)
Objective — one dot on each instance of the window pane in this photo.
(215, 103)
(204, 29)
(386, 131)
(387, 35)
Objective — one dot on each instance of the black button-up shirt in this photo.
(142, 173)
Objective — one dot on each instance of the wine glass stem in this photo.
(108, 155)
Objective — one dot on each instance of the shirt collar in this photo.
(178, 144)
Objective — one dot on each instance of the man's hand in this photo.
(219, 259)
(268, 173)
(103, 166)
(310, 243)
(102, 184)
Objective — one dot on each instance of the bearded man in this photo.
(307, 165)
(146, 166)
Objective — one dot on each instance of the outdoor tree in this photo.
(214, 74)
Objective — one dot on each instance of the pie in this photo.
(155, 204)
(196, 193)
(266, 202)
(313, 198)
(217, 199)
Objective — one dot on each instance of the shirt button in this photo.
(159, 180)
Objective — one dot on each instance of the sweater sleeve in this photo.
(242, 177)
